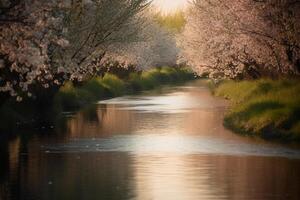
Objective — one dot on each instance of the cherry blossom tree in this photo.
(43, 43)
(28, 29)
(139, 42)
(95, 27)
(242, 38)
(156, 47)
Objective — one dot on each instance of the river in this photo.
(167, 144)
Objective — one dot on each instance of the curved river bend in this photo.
(160, 145)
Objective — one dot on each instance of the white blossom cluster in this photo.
(26, 34)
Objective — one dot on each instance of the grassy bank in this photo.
(268, 108)
(71, 97)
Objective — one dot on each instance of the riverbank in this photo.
(73, 96)
(266, 108)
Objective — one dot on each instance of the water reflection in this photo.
(165, 145)
(104, 120)
(36, 175)
(215, 177)
(171, 113)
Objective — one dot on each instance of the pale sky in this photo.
(170, 5)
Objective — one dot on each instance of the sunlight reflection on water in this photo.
(156, 144)
(175, 102)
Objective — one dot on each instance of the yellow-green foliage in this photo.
(114, 84)
(96, 87)
(66, 96)
(172, 21)
(266, 107)
(158, 76)
(70, 97)
(235, 91)
(151, 78)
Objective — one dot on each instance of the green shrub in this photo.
(70, 97)
(135, 82)
(165, 75)
(150, 79)
(96, 87)
(171, 74)
(115, 85)
(66, 98)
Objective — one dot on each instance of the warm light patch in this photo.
(170, 5)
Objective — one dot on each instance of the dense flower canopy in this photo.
(232, 38)
(43, 43)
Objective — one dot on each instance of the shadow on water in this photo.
(168, 144)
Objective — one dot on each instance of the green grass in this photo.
(269, 108)
(70, 97)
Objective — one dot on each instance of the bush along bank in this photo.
(267, 108)
(70, 97)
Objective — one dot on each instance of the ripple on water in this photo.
(155, 144)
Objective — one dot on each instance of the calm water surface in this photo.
(163, 145)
